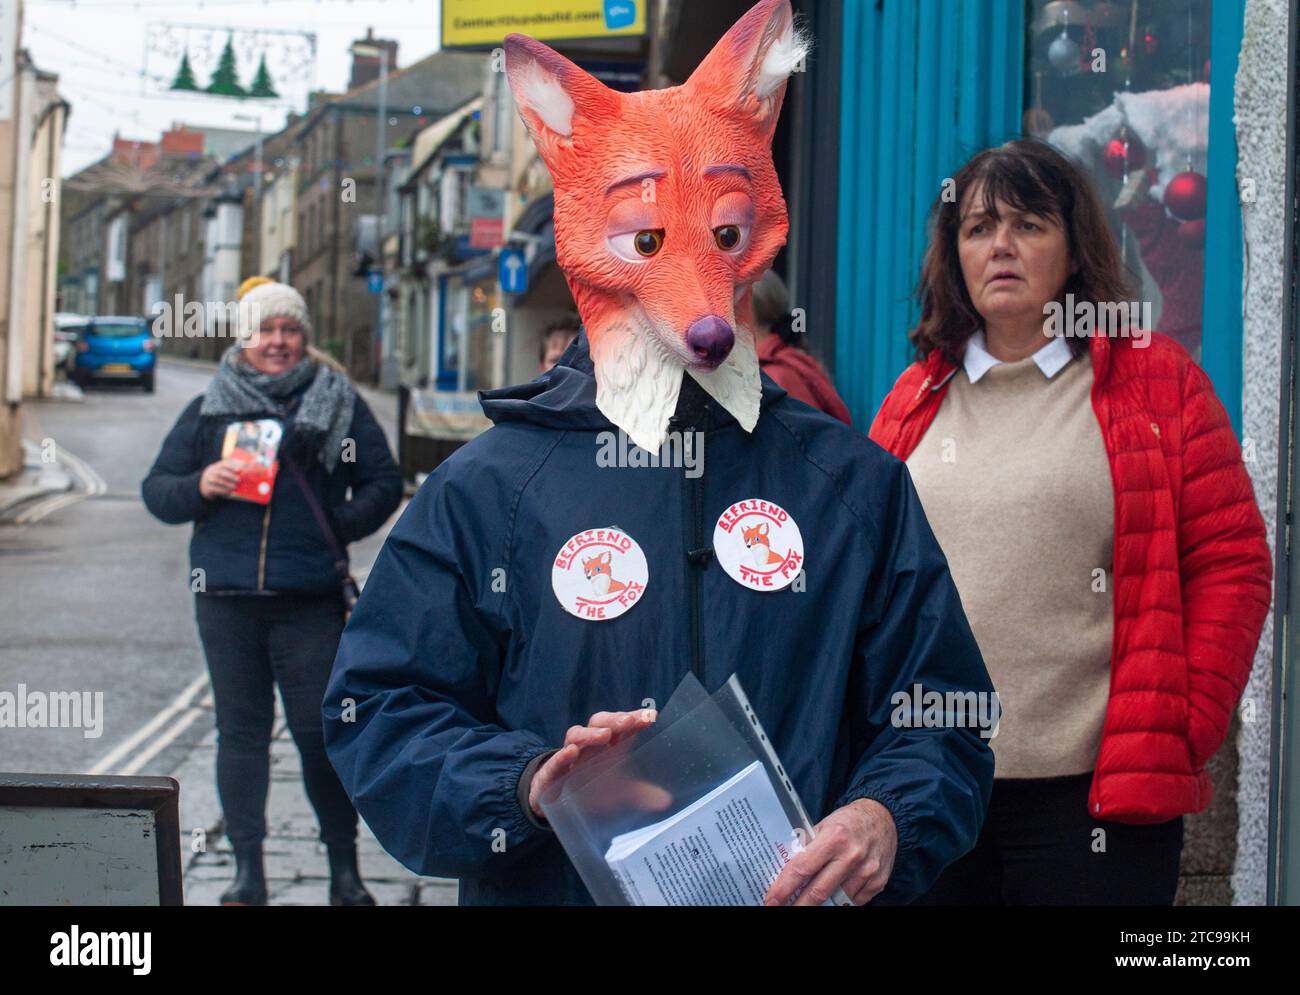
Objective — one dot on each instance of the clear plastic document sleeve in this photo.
(694, 810)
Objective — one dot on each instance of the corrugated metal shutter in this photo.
(925, 84)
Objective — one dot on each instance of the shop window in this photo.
(1123, 88)
(469, 335)
(455, 319)
(503, 118)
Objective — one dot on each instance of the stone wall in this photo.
(1261, 102)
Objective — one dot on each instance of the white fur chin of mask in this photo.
(638, 381)
(736, 384)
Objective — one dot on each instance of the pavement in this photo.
(37, 479)
(145, 658)
(297, 872)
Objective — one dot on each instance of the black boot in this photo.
(346, 887)
(249, 887)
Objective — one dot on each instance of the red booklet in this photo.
(256, 444)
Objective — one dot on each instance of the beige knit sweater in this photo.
(1015, 482)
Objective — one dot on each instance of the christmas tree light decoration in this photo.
(185, 76)
(177, 55)
(225, 81)
(262, 85)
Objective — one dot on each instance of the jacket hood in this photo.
(565, 396)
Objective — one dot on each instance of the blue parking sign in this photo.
(513, 272)
(375, 281)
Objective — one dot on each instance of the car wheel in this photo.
(146, 381)
(80, 378)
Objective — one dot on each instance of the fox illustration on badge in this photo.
(757, 541)
(597, 569)
(748, 541)
(582, 574)
(667, 210)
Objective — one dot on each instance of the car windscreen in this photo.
(110, 330)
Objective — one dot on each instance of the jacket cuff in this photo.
(189, 487)
(904, 821)
(525, 782)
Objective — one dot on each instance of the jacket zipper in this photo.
(696, 558)
(697, 553)
(261, 553)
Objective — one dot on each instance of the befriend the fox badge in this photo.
(599, 574)
(759, 545)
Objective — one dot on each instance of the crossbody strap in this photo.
(340, 557)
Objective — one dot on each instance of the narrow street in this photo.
(95, 591)
(987, 313)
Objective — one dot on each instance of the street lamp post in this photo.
(256, 119)
(387, 360)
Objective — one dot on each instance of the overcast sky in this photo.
(106, 52)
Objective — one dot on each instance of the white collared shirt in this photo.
(1051, 358)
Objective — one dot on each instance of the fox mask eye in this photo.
(649, 242)
(731, 238)
(637, 246)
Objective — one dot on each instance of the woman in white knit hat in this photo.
(270, 573)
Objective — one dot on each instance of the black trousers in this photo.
(1039, 846)
(252, 643)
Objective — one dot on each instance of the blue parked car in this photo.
(116, 348)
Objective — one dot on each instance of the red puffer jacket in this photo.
(1192, 571)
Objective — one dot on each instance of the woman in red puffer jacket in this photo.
(1090, 496)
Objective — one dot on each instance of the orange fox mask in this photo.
(667, 210)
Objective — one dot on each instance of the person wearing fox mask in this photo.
(536, 592)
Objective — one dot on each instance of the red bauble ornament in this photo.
(1192, 233)
(1117, 160)
(1185, 196)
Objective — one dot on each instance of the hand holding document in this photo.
(723, 849)
(695, 809)
(603, 730)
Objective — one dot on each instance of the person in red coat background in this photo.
(1091, 499)
(781, 354)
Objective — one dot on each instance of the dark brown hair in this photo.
(1030, 176)
(568, 326)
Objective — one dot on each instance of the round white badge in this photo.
(759, 545)
(599, 574)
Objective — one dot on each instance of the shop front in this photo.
(1174, 109)
(470, 351)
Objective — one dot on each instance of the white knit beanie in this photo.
(271, 300)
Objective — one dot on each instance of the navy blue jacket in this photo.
(241, 546)
(462, 666)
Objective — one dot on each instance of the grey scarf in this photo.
(324, 412)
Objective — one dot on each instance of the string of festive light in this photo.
(119, 64)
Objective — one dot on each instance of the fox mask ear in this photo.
(551, 92)
(747, 70)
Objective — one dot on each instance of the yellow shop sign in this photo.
(487, 22)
